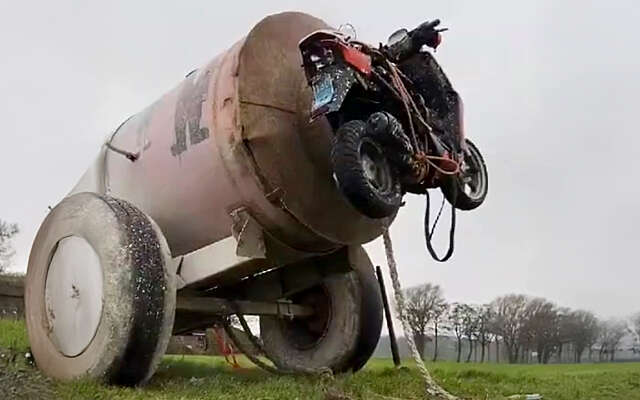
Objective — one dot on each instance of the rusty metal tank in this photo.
(232, 144)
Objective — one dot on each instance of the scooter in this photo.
(397, 121)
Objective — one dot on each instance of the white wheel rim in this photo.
(73, 295)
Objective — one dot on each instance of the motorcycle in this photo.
(397, 121)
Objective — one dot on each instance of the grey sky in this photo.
(550, 91)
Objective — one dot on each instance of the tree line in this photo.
(523, 326)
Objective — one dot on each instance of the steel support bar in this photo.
(218, 306)
(387, 315)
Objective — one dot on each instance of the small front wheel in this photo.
(469, 188)
(363, 172)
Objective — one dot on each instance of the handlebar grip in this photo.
(426, 34)
(427, 26)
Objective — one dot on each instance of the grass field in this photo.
(199, 377)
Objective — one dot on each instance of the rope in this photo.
(422, 156)
(432, 388)
(406, 99)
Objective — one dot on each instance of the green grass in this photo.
(201, 377)
(18, 377)
(13, 334)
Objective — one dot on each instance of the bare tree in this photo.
(470, 326)
(421, 303)
(611, 333)
(462, 320)
(540, 328)
(7, 231)
(565, 330)
(439, 313)
(508, 321)
(483, 334)
(582, 329)
(456, 319)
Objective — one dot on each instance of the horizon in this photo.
(546, 102)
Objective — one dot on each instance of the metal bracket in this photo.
(248, 233)
(286, 305)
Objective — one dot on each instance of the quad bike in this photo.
(219, 200)
(398, 122)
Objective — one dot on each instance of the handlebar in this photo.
(426, 33)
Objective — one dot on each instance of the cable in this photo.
(428, 235)
(435, 222)
(238, 343)
(276, 369)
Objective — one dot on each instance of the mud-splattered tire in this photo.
(99, 295)
(345, 331)
(468, 190)
(363, 172)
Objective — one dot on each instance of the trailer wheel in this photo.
(371, 309)
(363, 172)
(342, 334)
(100, 300)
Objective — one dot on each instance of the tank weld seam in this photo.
(279, 108)
(234, 214)
(265, 185)
(275, 194)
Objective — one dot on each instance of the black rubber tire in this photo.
(453, 189)
(353, 329)
(336, 347)
(139, 291)
(371, 309)
(351, 178)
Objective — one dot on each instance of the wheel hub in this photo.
(375, 166)
(305, 333)
(471, 177)
(73, 295)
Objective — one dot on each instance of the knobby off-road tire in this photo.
(345, 331)
(363, 173)
(468, 190)
(100, 300)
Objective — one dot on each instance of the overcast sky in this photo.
(551, 98)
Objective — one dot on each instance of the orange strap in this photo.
(225, 349)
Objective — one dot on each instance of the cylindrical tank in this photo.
(235, 134)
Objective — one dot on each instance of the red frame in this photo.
(356, 59)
